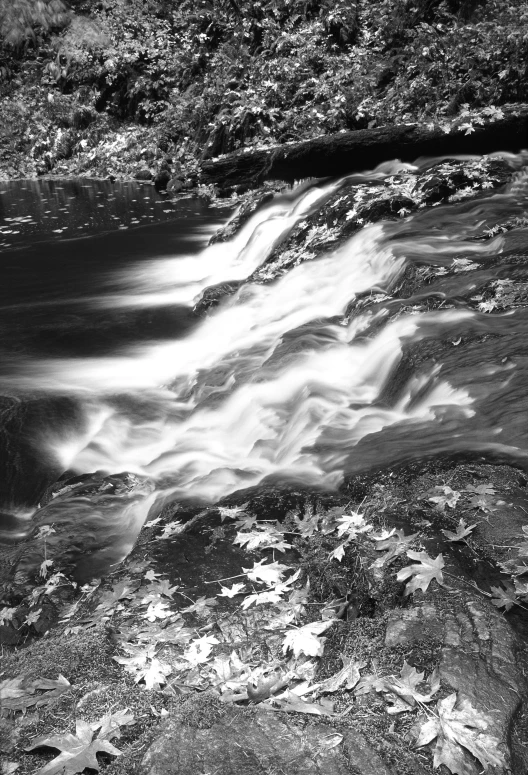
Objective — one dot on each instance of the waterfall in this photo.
(280, 380)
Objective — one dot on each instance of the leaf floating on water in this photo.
(458, 730)
(422, 572)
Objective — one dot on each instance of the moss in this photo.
(81, 657)
(201, 711)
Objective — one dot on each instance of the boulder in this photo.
(247, 743)
(482, 658)
(143, 174)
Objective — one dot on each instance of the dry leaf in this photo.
(78, 751)
(423, 572)
(458, 730)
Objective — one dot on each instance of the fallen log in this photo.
(346, 152)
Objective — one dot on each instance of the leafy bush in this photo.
(22, 21)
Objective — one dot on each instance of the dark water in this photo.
(106, 368)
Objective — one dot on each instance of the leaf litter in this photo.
(174, 655)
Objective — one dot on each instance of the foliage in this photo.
(207, 77)
(25, 21)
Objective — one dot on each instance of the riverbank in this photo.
(116, 88)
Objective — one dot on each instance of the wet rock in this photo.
(482, 658)
(162, 179)
(243, 214)
(143, 174)
(244, 744)
(175, 185)
(9, 636)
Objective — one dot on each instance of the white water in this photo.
(238, 403)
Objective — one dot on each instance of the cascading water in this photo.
(280, 379)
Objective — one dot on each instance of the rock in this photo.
(143, 174)
(482, 658)
(9, 636)
(162, 179)
(175, 184)
(242, 743)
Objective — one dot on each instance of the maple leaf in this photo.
(482, 503)
(32, 617)
(110, 724)
(6, 614)
(481, 489)
(505, 596)
(202, 606)
(370, 683)
(405, 689)
(339, 552)
(272, 595)
(349, 675)
(263, 537)
(172, 529)
(396, 543)
(19, 693)
(151, 575)
(78, 751)
(154, 675)
(121, 591)
(307, 526)
(423, 572)
(449, 498)
(305, 639)
(198, 651)
(458, 730)
(157, 610)
(352, 524)
(268, 574)
(292, 703)
(231, 512)
(235, 589)
(462, 531)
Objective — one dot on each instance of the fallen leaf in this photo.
(305, 639)
(505, 596)
(349, 675)
(236, 589)
(292, 703)
(423, 572)
(268, 574)
(458, 730)
(19, 693)
(482, 489)
(78, 751)
(462, 531)
(404, 687)
(448, 497)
